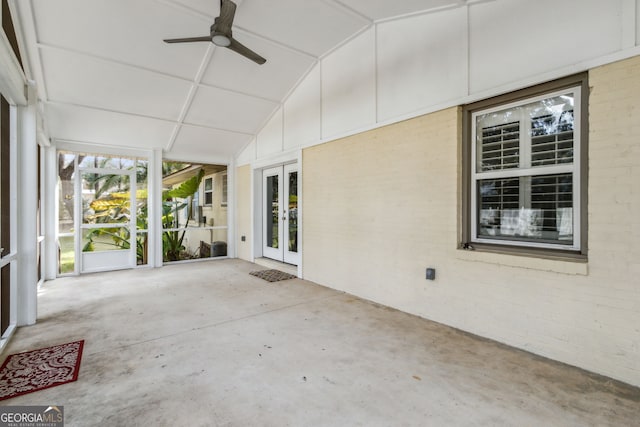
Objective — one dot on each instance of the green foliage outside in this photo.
(115, 208)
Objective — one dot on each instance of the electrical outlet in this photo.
(431, 274)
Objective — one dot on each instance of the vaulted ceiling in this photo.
(105, 77)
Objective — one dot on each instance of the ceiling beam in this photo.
(191, 95)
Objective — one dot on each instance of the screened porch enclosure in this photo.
(104, 211)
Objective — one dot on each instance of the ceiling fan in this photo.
(221, 34)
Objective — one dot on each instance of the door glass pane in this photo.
(106, 239)
(293, 212)
(105, 198)
(66, 254)
(142, 220)
(272, 211)
(66, 212)
(5, 177)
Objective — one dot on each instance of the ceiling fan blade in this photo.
(238, 47)
(224, 22)
(189, 39)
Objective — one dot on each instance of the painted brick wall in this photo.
(381, 206)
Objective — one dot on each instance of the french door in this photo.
(107, 222)
(280, 214)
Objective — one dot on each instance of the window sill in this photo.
(556, 263)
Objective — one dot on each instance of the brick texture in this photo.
(381, 206)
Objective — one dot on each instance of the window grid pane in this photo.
(552, 195)
(504, 213)
(552, 139)
(499, 147)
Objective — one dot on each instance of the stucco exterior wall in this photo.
(381, 206)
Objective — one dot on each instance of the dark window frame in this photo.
(582, 157)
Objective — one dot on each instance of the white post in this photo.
(232, 251)
(154, 200)
(27, 198)
(50, 212)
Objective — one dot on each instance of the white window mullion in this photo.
(540, 170)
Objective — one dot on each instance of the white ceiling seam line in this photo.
(204, 64)
(107, 110)
(302, 78)
(144, 116)
(338, 4)
(219, 129)
(347, 40)
(111, 60)
(151, 70)
(238, 92)
(184, 8)
(453, 5)
(67, 144)
(241, 30)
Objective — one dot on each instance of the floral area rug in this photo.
(35, 370)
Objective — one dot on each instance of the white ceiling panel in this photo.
(204, 144)
(271, 80)
(313, 26)
(106, 77)
(84, 80)
(382, 9)
(86, 125)
(210, 8)
(124, 30)
(227, 110)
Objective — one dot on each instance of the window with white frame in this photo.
(208, 191)
(525, 179)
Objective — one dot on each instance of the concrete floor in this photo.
(206, 344)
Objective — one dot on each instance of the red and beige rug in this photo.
(35, 370)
